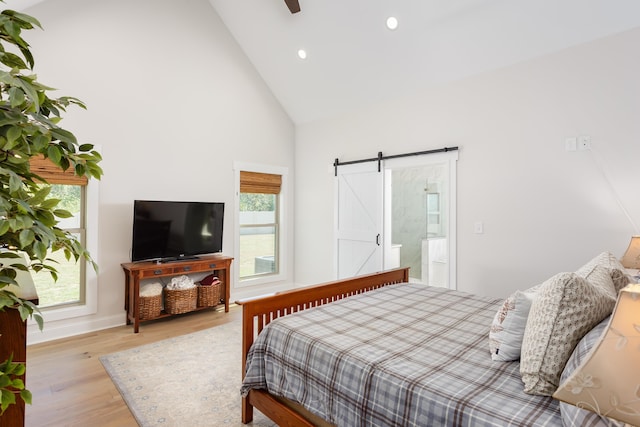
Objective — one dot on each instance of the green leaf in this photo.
(12, 61)
(17, 383)
(20, 369)
(40, 195)
(15, 183)
(5, 301)
(40, 322)
(8, 398)
(62, 213)
(54, 153)
(95, 171)
(49, 204)
(64, 135)
(30, 91)
(4, 226)
(27, 19)
(39, 142)
(24, 312)
(80, 169)
(46, 220)
(16, 95)
(13, 30)
(26, 396)
(64, 163)
(14, 133)
(19, 266)
(26, 237)
(40, 249)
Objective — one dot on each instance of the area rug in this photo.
(190, 380)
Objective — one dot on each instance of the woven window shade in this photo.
(52, 173)
(256, 182)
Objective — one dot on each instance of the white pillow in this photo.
(507, 329)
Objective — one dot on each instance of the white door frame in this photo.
(450, 157)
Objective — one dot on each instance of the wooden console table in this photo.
(136, 271)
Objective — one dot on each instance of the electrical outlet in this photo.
(478, 227)
(584, 142)
(571, 144)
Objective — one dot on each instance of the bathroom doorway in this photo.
(420, 217)
(401, 215)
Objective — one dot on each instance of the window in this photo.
(259, 252)
(70, 288)
(259, 224)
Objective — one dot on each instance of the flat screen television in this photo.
(168, 231)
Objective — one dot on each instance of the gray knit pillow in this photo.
(613, 268)
(566, 308)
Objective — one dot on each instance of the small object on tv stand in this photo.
(175, 259)
(218, 265)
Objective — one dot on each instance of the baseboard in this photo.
(71, 327)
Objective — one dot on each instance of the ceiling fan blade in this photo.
(293, 5)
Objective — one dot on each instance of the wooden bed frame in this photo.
(257, 313)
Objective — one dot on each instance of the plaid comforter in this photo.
(403, 355)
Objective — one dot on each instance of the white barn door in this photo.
(359, 219)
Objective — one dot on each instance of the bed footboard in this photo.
(257, 313)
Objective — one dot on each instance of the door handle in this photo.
(378, 239)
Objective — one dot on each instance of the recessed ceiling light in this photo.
(392, 22)
(302, 54)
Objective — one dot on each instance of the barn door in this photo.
(358, 219)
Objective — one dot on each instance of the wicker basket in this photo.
(209, 296)
(150, 307)
(178, 301)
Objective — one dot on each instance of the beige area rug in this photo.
(190, 380)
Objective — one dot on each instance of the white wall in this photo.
(172, 101)
(544, 210)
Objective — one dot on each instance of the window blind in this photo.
(263, 183)
(53, 174)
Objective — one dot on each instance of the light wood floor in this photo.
(71, 388)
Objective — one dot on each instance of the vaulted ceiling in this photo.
(354, 60)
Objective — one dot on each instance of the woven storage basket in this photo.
(178, 301)
(209, 296)
(150, 307)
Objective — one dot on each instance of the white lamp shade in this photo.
(631, 258)
(25, 288)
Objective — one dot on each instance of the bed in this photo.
(393, 353)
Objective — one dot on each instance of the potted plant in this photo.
(29, 126)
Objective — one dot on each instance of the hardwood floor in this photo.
(71, 388)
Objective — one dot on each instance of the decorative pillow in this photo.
(566, 308)
(613, 267)
(572, 416)
(600, 277)
(507, 329)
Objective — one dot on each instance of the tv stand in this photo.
(136, 271)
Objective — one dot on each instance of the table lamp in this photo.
(631, 258)
(608, 380)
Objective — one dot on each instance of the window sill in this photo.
(255, 281)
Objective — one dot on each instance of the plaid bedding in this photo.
(403, 355)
